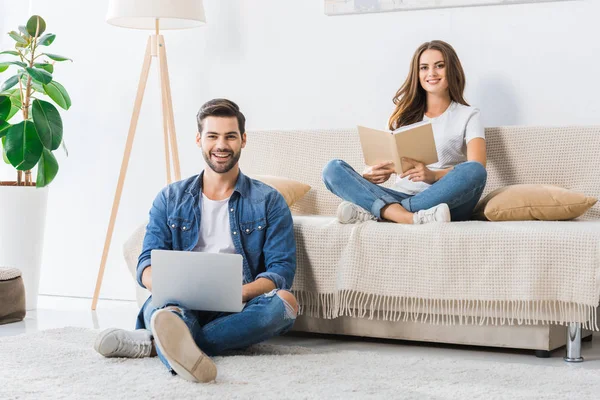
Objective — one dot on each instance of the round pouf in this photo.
(12, 296)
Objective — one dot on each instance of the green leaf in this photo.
(17, 38)
(38, 87)
(23, 146)
(4, 126)
(35, 85)
(45, 66)
(15, 99)
(47, 123)
(56, 57)
(11, 52)
(36, 24)
(9, 83)
(6, 64)
(59, 94)
(40, 75)
(5, 106)
(47, 39)
(23, 30)
(4, 152)
(47, 168)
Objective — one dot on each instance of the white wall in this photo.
(288, 66)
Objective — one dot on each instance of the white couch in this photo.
(503, 284)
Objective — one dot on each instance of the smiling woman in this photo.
(440, 192)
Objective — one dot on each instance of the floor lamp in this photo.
(152, 15)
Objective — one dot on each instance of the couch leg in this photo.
(543, 354)
(573, 343)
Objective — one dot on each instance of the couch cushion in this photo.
(290, 189)
(533, 202)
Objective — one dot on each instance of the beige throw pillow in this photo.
(533, 202)
(291, 190)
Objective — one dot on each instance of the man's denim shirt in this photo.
(260, 222)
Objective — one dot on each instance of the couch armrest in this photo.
(131, 251)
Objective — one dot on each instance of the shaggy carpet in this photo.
(61, 364)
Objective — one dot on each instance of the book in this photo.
(414, 141)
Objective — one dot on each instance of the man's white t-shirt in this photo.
(215, 235)
(452, 130)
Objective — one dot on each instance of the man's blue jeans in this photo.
(263, 317)
(460, 188)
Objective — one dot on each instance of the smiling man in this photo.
(219, 204)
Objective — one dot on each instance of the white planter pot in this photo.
(22, 225)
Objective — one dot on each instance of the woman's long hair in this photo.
(411, 98)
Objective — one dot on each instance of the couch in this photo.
(499, 284)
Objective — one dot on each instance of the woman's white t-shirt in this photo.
(452, 130)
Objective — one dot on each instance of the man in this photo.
(220, 211)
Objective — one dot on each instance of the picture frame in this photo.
(345, 7)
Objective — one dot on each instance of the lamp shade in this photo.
(142, 14)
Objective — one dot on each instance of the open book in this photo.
(413, 141)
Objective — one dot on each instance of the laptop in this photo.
(197, 281)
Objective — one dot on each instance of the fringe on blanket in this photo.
(445, 312)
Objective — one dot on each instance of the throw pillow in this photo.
(291, 190)
(533, 202)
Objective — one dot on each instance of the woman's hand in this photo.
(419, 172)
(379, 173)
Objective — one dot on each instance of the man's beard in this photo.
(222, 168)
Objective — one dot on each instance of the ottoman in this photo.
(12, 296)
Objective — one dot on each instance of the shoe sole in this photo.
(100, 340)
(447, 215)
(342, 212)
(175, 342)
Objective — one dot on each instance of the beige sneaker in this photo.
(439, 213)
(173, 338)
(115, 342)
(350, 213)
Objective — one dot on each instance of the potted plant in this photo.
(31, 130)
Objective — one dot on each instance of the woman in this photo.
(448, 189)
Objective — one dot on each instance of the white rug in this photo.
(61, 364)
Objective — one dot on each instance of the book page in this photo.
(417, 143)
(377, 146)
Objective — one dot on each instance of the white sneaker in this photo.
(350, 213)
(439, 213)
(175, 342)
(122, 343)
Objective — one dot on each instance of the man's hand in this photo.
(147, 278)
(419, 172)
(256, 288)
(379, 173)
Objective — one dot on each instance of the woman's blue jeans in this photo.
(460, 188)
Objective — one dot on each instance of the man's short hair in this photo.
(221, 108)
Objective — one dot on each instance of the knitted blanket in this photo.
(460, 273)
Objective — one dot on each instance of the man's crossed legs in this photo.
(184, 339)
